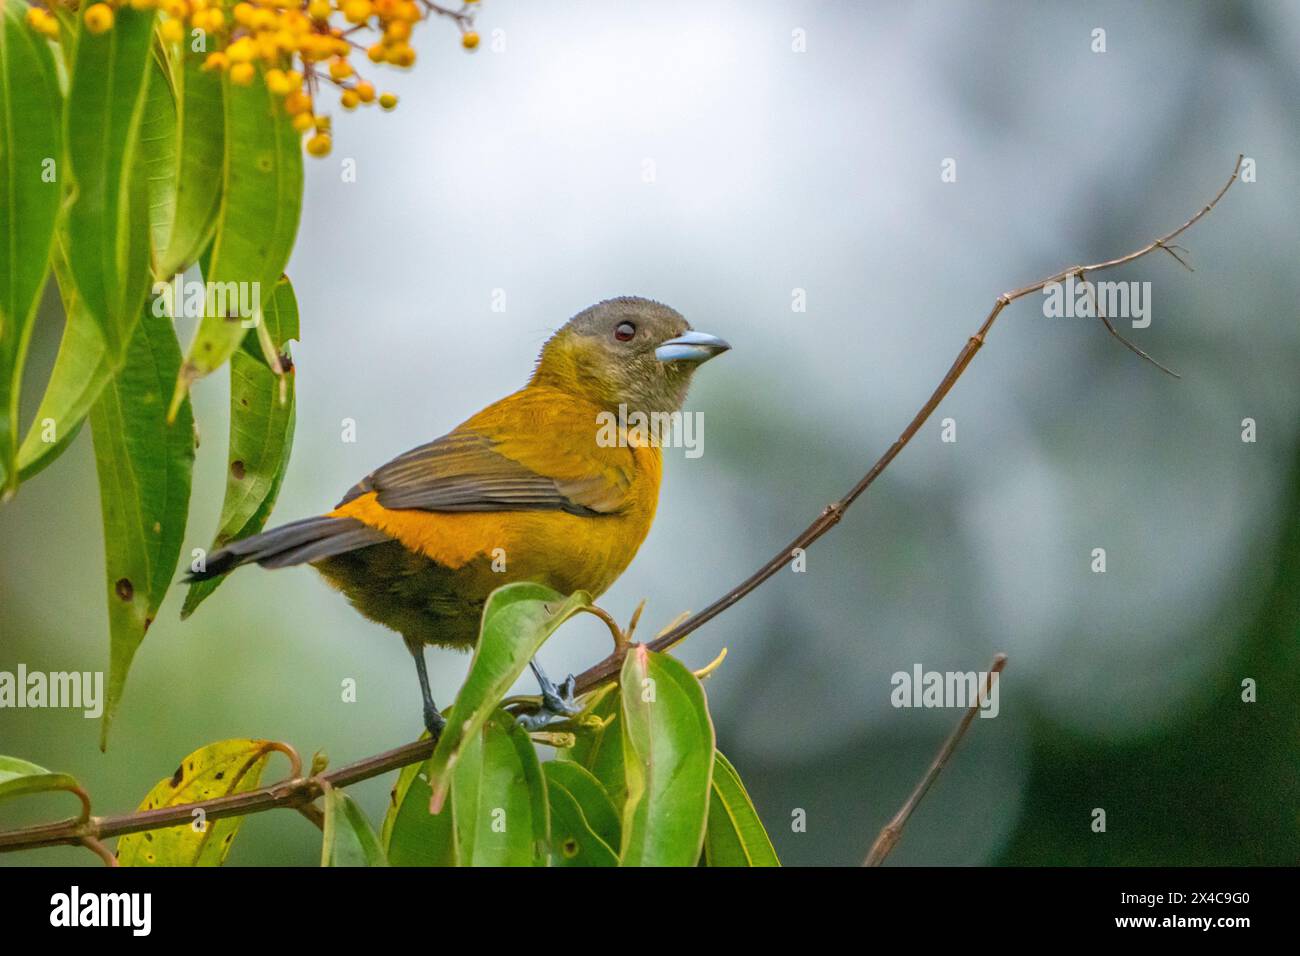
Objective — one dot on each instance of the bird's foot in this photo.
(434, 722)
(557, 701)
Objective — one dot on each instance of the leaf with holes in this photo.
(261, 435)
(584, 823)
(217, 770)
(144, 467)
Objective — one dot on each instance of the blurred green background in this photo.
(691, 153)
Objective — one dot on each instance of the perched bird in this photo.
(529, 489)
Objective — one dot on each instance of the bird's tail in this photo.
(298, 542)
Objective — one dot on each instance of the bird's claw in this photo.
(557, 701)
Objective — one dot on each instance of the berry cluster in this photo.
(303, 46)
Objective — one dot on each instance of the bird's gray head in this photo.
(629, 351)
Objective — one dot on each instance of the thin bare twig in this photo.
(834, 512)
(892, 830)
(301, 791)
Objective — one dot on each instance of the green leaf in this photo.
(158, 147)
(199, 154)
(31, 147)
(19, 777)
(349, 840)
(499, 808)
(735, 835)
(258, 218)
(261, 435)
(584, 823)
(601, 751)
(144, 468)
(217, 770)
(81, 370)
(668, 756)
(108, 219)
(516, 620)
(411, 835)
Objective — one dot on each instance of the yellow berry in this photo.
(244, 14)
(319, 9)
(349, 99)
(171, 31)
(319, 145)
(216, 61)
(278, 82)
(388, 101)
(297, 102)
(340, 69)
(263, 20)
(241, 51)
(303, 122)
(398, 30)
(176, 9)
(99, 18)
(365, 91)
(469, 40)
(242, 73)
(377, 53)
(356, 11)
(401, 54)
(143, 4)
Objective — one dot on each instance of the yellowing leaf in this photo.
(217, 770)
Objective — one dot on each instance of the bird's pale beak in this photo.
(691, 347)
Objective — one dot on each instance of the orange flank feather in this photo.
(551, 434)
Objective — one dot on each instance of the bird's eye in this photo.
(625, 332)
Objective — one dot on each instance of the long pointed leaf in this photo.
(81, 370)
(261, 435)
(144, 467)
(200, 148)
(256, 225)
(108, 220)
(31, 152)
